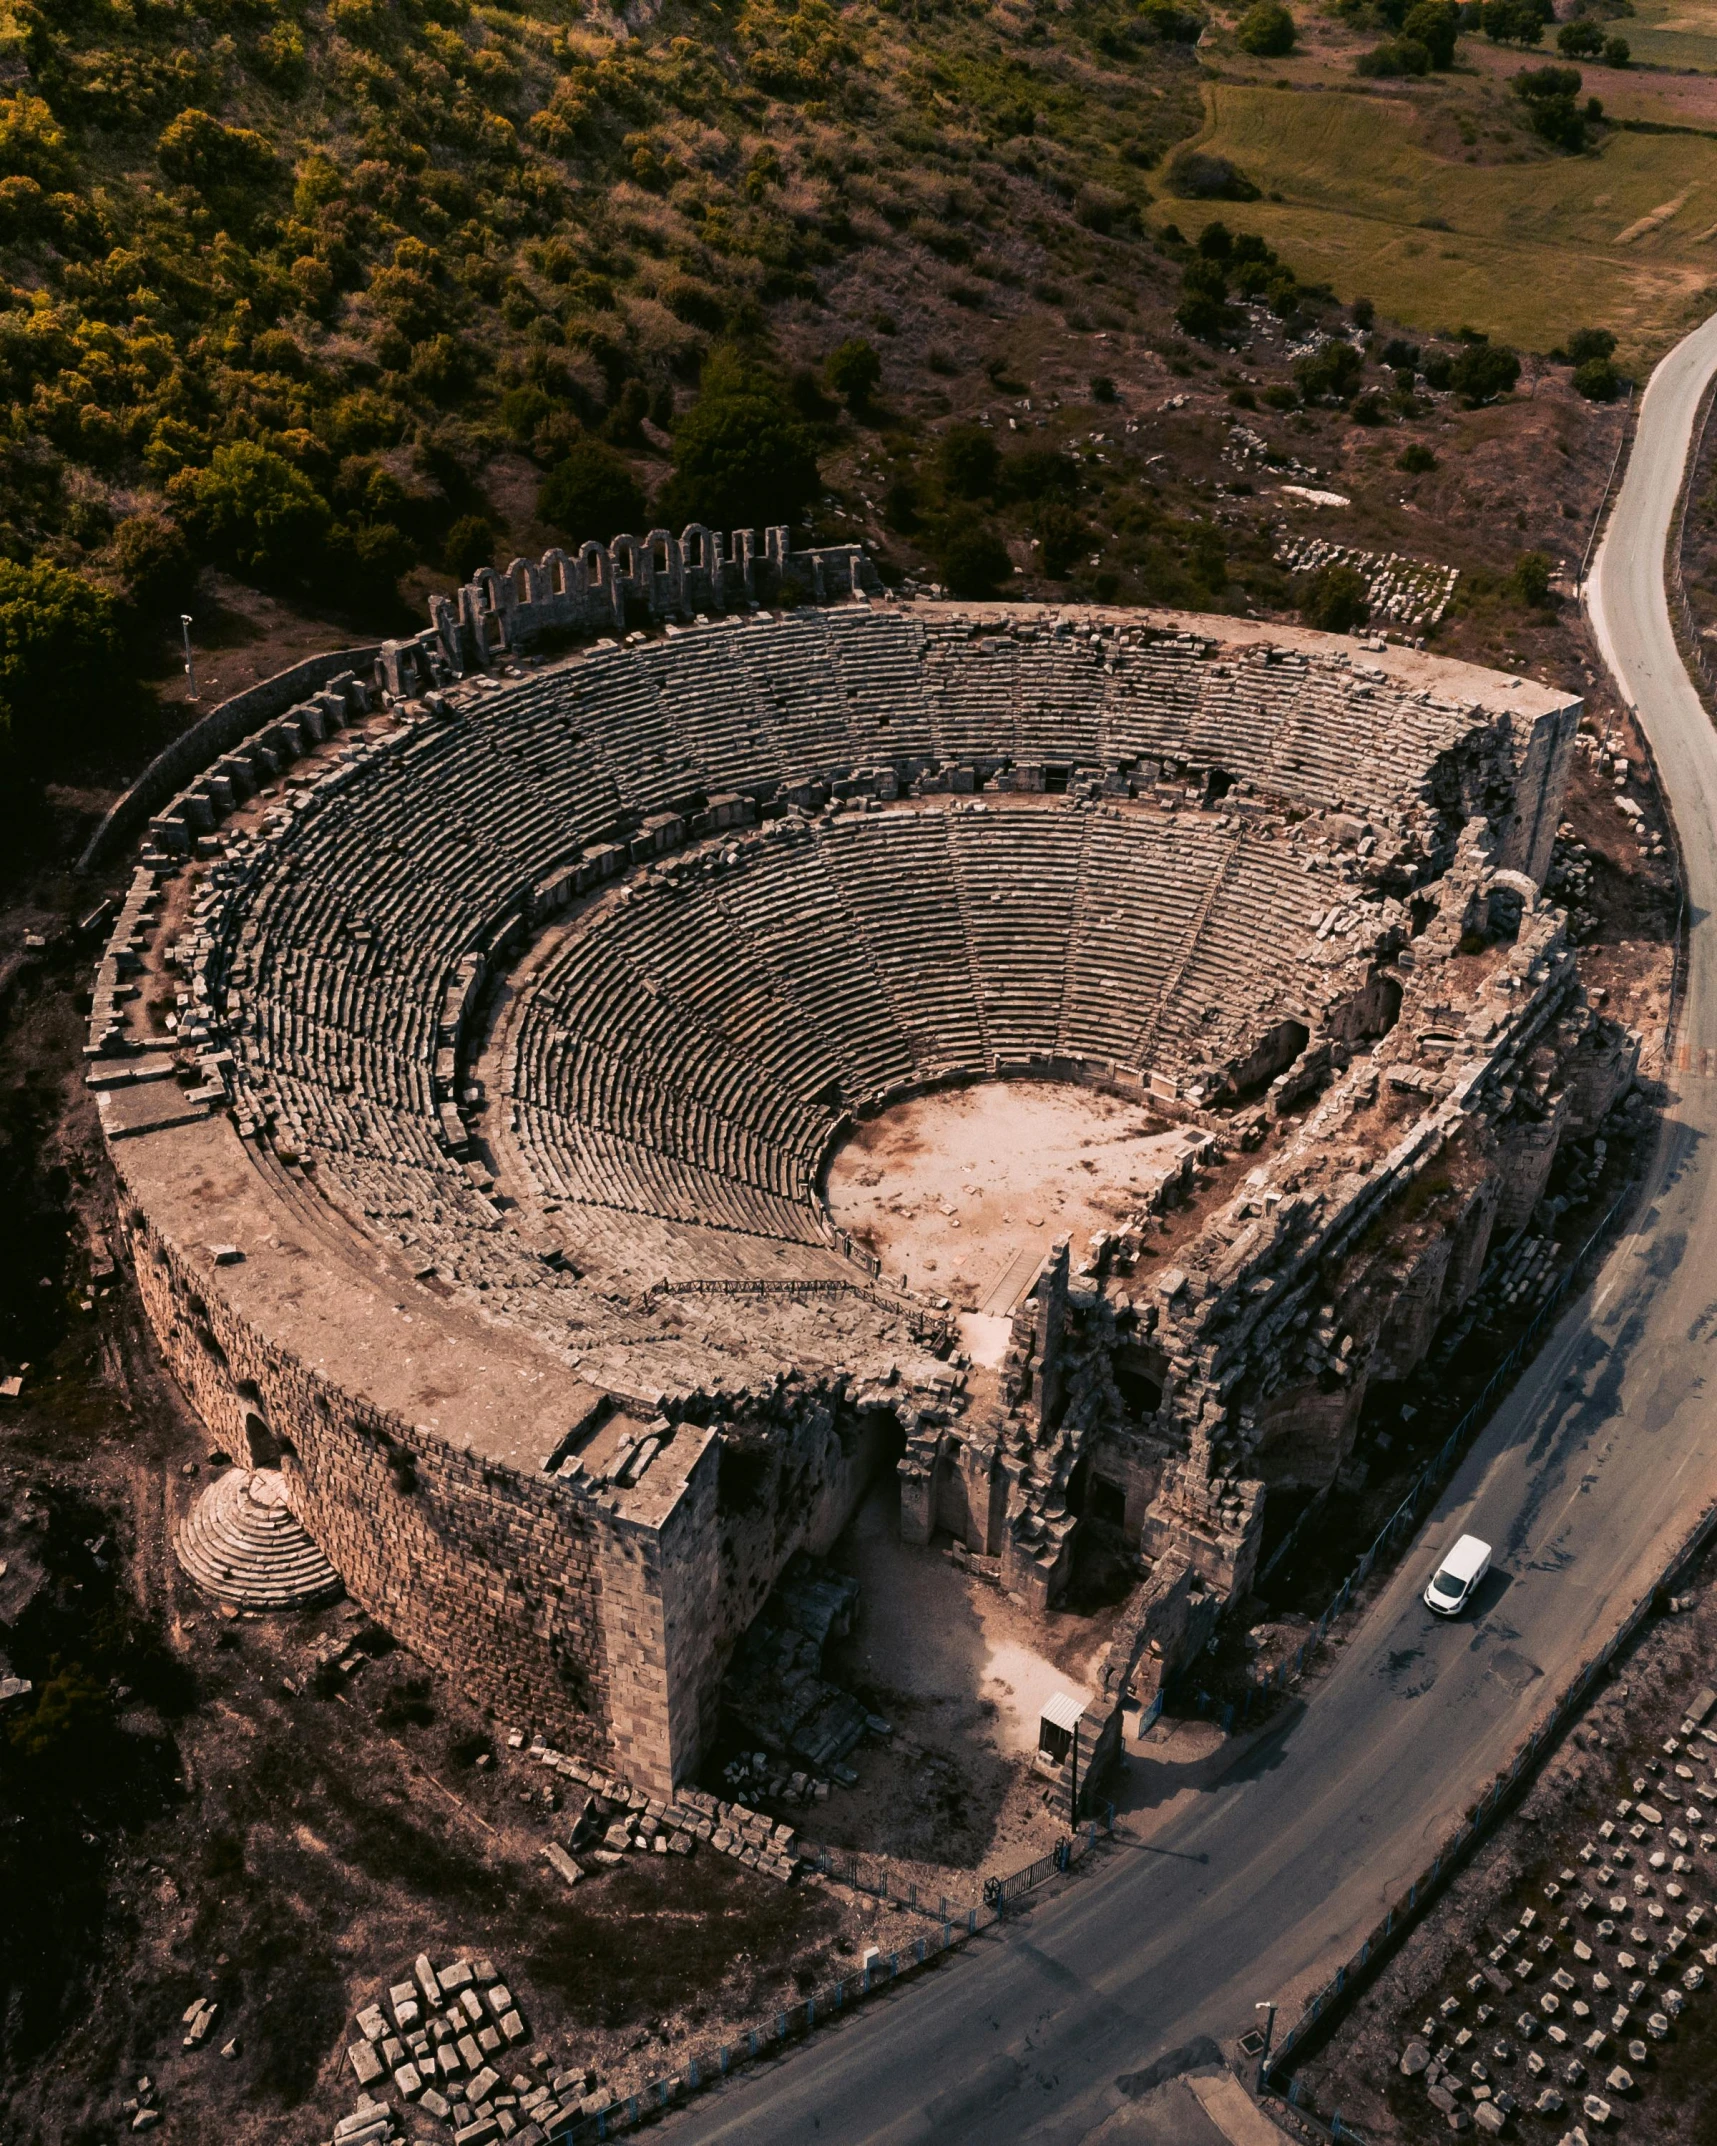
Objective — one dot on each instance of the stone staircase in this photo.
(242, 1544)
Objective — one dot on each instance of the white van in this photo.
(1455, 1579)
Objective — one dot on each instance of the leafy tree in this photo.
(854, 370)
(624, 424)
(1435, 24)
(1062, 537)
(970, 462)
(60, 649)
(1331, 372)
(742, 460)
(1334, 600)
(1416, 459)
(470, 543)
(252, 511)
(1039, 473)
(1484, 371)
(1266, 30)
(1529, 582)
(1598, 380)
(197, 149)
(1398, 56)
(32, 141)
(592, 494)
(1548, 94)
(154, 563)
(1197, 175)
(1514, 22)
(1580, 40)
(1203, 310)
(973, 560)
(1587, 343)
(1617, 52)
(1103, 389)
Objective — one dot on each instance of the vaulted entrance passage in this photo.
(960, 1193)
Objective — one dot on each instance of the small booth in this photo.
(1058, 1743)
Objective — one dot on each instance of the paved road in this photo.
(1587, 1476)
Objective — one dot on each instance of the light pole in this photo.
(1269, 2011)
(190, 665)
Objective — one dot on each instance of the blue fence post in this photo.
(726, 2059)
(918, 1948)
(1293, 2093)
(602, 2123)
(971, 1922)
(945, 1930)
(1228, 1719)
(781, 2028)
(810, 2011)
(841, 1994)
(666, 2089)
(751, 2038)
(692, 2075)
(631, 2108)
(867, 1978)
(893, 1966)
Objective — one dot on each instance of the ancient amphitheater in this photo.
(481, 1039)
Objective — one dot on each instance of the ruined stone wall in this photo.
(532, 1598)
(794, 1470)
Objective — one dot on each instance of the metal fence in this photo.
(1326, 2006)
(822, 2008)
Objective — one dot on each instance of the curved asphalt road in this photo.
(1590, 1473)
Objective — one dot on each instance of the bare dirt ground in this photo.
(962, 1673)
(1598, 1899)
(962, 1193)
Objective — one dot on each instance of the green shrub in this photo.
(60, 656)
(1529, 579)
(470, 543)
(973, 560)
(1266, 30)
(1395, 57)
(197, 149)
(1197, 175)
(1598, 380)
(154, 562)
(1062, 537)
(1435, 24)
(592, 494)
(854, 371)
(970, 462)
(1483, 371)
(254, 513)
(1331, 372)
(742, 460)
(1580, 40)
(1617, 52)
(1586, 343)
(1334, 600)
(684, 296)
(1416, 460)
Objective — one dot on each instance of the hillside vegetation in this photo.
(340, 299)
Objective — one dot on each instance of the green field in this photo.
(1530, 249)
(1673, 33)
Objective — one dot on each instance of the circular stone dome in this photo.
(242, 1543)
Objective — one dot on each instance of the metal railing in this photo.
(1323, 2009)
(1434, 1473)
(708, 2067)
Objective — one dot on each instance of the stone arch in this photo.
(261, 1447)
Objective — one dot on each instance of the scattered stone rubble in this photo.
(615, 1820)
(1413, 593)
(449, 2042)
(1609, 1961)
